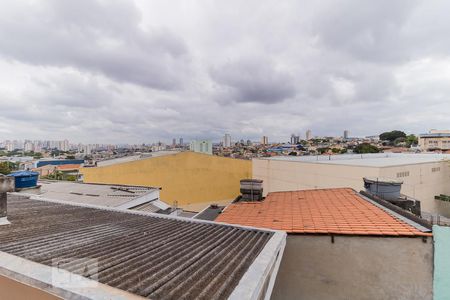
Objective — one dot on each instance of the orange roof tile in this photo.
(326, 211)
(68, 167)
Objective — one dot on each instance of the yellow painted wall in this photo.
(189, 178)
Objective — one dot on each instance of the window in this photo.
(436, 169)
(402, 174)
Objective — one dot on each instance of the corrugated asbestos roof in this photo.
(87, 193)
(159, 258)
(326, 211)
(210, 213)
(147, 207)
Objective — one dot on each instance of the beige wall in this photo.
(363, 268)
(293, 175)
(14, 290)
(426, 143)
(422, 183)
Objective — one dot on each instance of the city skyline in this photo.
(216, 140)
(153, 75)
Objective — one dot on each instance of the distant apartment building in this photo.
(346, 134)
(265, 140)
(435, 140)
(227, 140)
(28, 146)
(201, 146)
(308, 134)
(295, 139)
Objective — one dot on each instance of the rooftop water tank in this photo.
(384, 188)
(25, 179)
(251, 189)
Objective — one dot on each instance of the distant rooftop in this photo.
(340, 211)
(125, 159)
(146, 255)
(367, 160)
(122, 196)
(435, 135)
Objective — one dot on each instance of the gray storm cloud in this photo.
(140, 71)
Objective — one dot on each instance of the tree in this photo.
(411, 140)
(391, 136)
(399, 141)
(335, 150)
(323, 150)
(4, 168)
(366, 148)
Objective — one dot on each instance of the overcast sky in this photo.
(141, 71)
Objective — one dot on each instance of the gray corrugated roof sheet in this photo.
(147, 207)
(210, 213)
(150, 256)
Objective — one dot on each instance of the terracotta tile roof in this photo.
(68, 167)
(327, 211)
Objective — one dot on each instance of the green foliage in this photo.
(5, 168)
(70, 156)
(399, 140)
(293, 153)
(392, 135)
(37, 155)
(323, 150)
(71, 178)
(366, 148)
(335, 150)
(411, 140)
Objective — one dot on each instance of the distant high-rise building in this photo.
(265, 140)
(181, 142)
(295, 139)
(9, 146)
(174, 142)
(28, 146)
(345, 134)
(308, 134)
(63, 145)
(201, 146)
(227, 141)
(88, 149)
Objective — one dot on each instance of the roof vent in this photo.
(251, 190)
(384, 188)
(6, 185)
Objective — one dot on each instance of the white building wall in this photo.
(293, 175)
(201, 147)
(422, 183)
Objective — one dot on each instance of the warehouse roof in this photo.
(125, 159)
(149, 256)
(434, 135)
(123, 196)
(327, 211)
(367, 160)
